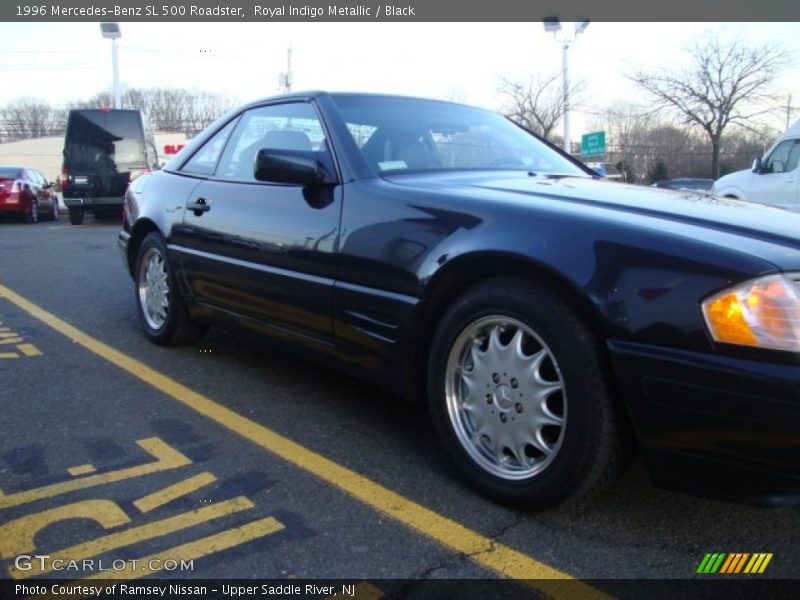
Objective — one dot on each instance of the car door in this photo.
(46, 194)
(36, 185)
(777, 183)
(260, 250)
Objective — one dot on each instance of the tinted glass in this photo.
(405, 134)
(10, 173)
(283, 126)
(99, 139)
(204, 161)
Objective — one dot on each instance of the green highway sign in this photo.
(593, 144)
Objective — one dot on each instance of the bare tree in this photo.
(627, 125)
(538, 103)
(727, 84)
(205, 109)
(27, 118)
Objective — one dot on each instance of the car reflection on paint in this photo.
(552, 322)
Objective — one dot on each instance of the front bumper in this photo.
(714, 425)
(123, 239)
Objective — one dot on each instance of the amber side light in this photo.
(727, 322)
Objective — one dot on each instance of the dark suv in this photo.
(103, 150)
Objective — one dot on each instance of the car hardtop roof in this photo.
(312, 94)
(793, 130)
(105, 110)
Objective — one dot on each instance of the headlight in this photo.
(764, 312)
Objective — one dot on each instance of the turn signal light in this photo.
(764, 313)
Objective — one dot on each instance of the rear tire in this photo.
(75, 216)
(54, 211)
(161, 308)
(520, 397)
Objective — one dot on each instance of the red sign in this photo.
(173, 148)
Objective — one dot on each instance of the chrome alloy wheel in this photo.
(505, 397)
(154, 289)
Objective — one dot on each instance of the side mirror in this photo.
(757, 165)
(300, 167)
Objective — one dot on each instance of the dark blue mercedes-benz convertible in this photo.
(552, 321)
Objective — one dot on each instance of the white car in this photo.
(773, 179)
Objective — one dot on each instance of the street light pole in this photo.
(553, 25)
(110, 31)
(115, 69)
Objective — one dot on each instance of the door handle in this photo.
(199, 207)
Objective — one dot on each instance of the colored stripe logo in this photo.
(734, 563)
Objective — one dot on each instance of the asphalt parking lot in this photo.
(253, 464)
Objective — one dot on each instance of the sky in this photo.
(61, 62)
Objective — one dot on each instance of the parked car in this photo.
(694, 184)
(26, 192)
(606, 170)
(550, 319)
(773, 179)
(104, 150)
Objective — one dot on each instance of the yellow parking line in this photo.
(168, 494)
(167, 458)
(81, 470)
(196, 549)
(9, 355)
(487, 552)
(29, 350)
(134, 535)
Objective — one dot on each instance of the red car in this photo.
(25, 191)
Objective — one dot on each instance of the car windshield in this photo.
(10, 173)
(406, 134)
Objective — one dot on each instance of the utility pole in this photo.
(788, 110)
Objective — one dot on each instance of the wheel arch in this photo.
(469, 270)
(140, 230)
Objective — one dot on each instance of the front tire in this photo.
(32, 216)
(520, 397)
(161, 309)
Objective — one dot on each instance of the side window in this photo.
(794, 156)
(204, 161)
(292, 126)
(778, 160)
